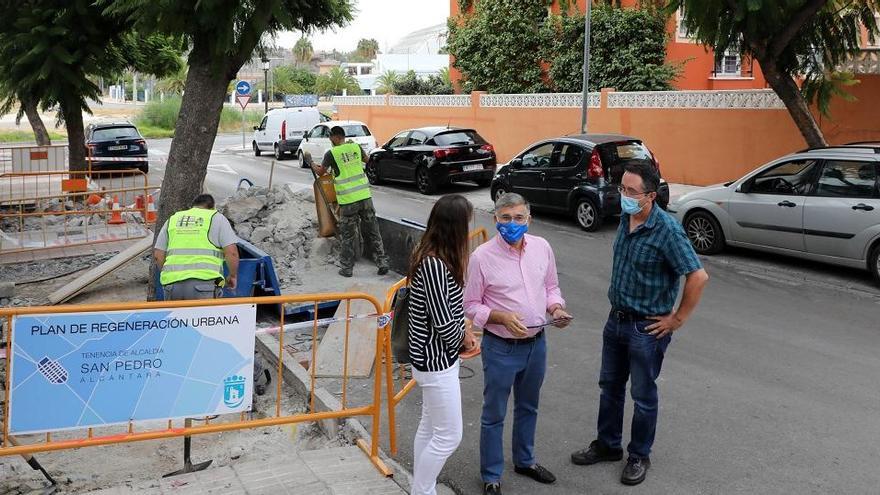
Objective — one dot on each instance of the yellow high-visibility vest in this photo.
(191, 255)
(351, 184)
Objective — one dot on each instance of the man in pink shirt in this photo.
(511, 288)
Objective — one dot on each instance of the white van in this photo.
(281, 130)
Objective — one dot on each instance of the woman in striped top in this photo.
(436, 334)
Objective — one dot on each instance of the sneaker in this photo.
(382, 270)
(346, 272)
(596, 452)
(491, 488)
(635, 471)
(537, 472)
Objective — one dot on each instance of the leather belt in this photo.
(624, 315)
(526, 340)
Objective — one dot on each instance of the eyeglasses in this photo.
(631, 192)
(520, 219)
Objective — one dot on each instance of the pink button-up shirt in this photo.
(502, 278)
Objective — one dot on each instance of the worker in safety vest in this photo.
(346, 161)
(190, 250)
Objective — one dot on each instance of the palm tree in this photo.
(335, 81)
(444, 75)
(367, 48)
(174, 83)
(387, 81)
(303, 51)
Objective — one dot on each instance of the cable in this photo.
(53, 277)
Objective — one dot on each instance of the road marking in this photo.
(221, 167)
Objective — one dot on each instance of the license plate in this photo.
(471, 168)
(117, 148)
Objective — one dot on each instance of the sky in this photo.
(384, 20)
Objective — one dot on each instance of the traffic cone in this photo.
(151, 209)
(116, 215)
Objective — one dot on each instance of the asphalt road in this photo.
(772, 387)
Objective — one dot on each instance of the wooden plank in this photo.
(361, 340)
(100, 271)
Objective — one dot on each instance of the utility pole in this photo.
(265, 84)
(586, 97)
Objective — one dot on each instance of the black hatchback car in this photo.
(433, 156)
(116, 145)
(577, 175)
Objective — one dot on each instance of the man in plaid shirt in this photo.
(651, 254)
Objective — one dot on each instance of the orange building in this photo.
(699, 71)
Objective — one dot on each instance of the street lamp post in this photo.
(586, 97)
(266, 84)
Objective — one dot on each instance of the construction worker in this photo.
(346, 161)
(190, 250)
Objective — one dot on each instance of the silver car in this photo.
(822, 204)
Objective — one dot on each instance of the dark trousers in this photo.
(507, 366)
(629, 352)
(359, 213)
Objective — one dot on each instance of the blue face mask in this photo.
(630, 206)
(512, 232)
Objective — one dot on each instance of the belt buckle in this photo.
(620, 315)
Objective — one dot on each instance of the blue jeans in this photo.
(505, 366)
(629, 352)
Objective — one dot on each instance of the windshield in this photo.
(456, 138)
(356, 130)
(110, 133)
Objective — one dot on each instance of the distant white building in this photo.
(427, 41)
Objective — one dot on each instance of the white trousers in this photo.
(439, 430)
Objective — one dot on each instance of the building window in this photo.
(729, 66)
(681, 31)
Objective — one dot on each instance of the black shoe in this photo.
(537, 472)
(635, 471)
(345, 272)
(491, 488)
(596, 452)
(382, 270)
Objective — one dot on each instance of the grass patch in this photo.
(158, 118)
(27, 136)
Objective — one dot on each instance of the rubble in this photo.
(282, 222)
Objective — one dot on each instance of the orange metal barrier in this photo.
(33, 158)
(481, 235)
(71, 208)
(89, 437)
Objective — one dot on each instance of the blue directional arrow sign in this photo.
(243, 88)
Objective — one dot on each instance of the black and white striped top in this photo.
(436, 317)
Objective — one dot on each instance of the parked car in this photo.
(317, 140)
(576, 175)
(116, 146)
(432, 157)
(281, 130)
(821, 204)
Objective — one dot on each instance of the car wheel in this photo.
(587, 215)
(874, 262)
(302, 159)
(279, 155)
(497, 193)
(372, 173)
(704, 232)
(484, 182)
(256, 149)
(424, 182)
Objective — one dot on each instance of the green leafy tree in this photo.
(335, 81)
(411, 84)
(791, 40)
(367, 48)
(175, 83)
(222, 37)
(303, 51)
(627, 51)
(386, 82)
(293, 80)
(53, 51)
(24, 104)
(498, 47)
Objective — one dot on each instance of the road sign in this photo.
(300, 100)
(243, 100)
(243, 88)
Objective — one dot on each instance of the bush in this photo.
(158, 118)
(160, 114)
(412, 84)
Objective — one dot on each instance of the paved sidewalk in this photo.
(333, 471)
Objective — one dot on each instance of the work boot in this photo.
(596, 452)
(346, 272)
(635, 471)
(383, 269)
(491, 488)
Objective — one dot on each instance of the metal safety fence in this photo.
(32, 158)
(44, 210)
(476, 237)
(17, 322)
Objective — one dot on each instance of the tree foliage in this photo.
(293, 80)
(367, 48)
(386, 82)
(303, 51)
(335, 81)
(173, 83)
(627, 51)
(411, 84)
(790, 40)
